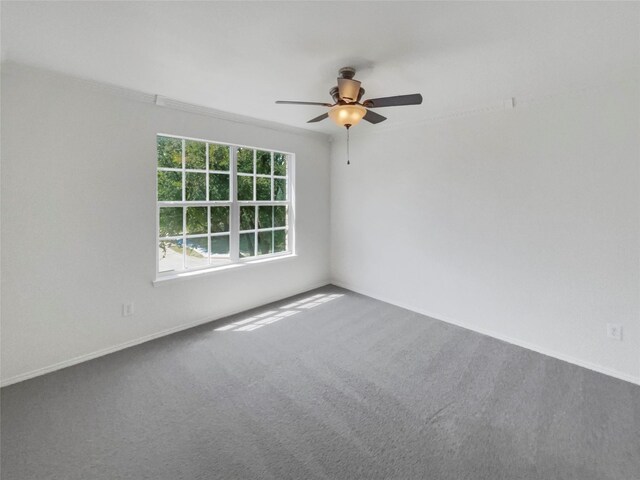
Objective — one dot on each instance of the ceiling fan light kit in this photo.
(349, 114)
(348, 109)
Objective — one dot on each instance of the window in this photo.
(220, 204)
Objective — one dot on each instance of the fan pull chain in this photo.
(348, 161)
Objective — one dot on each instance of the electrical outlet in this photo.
(127, 309)
(614, 330)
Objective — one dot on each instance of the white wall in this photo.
(522, 223)
(78, 222)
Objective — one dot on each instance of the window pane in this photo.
(263, 188)
(279, 164)
(280, 216)
(218, 157)
(196, 220)
(195, 155)
(280, 189)
(169, 186)
(218, 186)
(170, 222)
(197, 252)
(219, 219)
(169, 152)
(245, 187)
(245, 160)
(195, 185)
(247, 218)
(220, 245)
(263, 162)
(280, 240)
(170, 255)
(265, 242)
(197, 233)
(247, 244)
(265, 217)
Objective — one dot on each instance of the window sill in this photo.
(171, 278)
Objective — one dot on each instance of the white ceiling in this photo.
(240, 57)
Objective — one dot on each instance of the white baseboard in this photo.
(504, 338)
(121, 346)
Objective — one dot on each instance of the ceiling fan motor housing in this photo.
(349, 89)
(347, 86)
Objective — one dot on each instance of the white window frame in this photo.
(234, 205)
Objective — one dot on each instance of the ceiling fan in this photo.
(347, 109)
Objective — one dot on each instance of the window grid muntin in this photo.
(234, 205)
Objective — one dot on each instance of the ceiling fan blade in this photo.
(290, 102)
(373, 117)
(318, 118)
(399, 100)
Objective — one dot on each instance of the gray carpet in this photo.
(339, 387)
